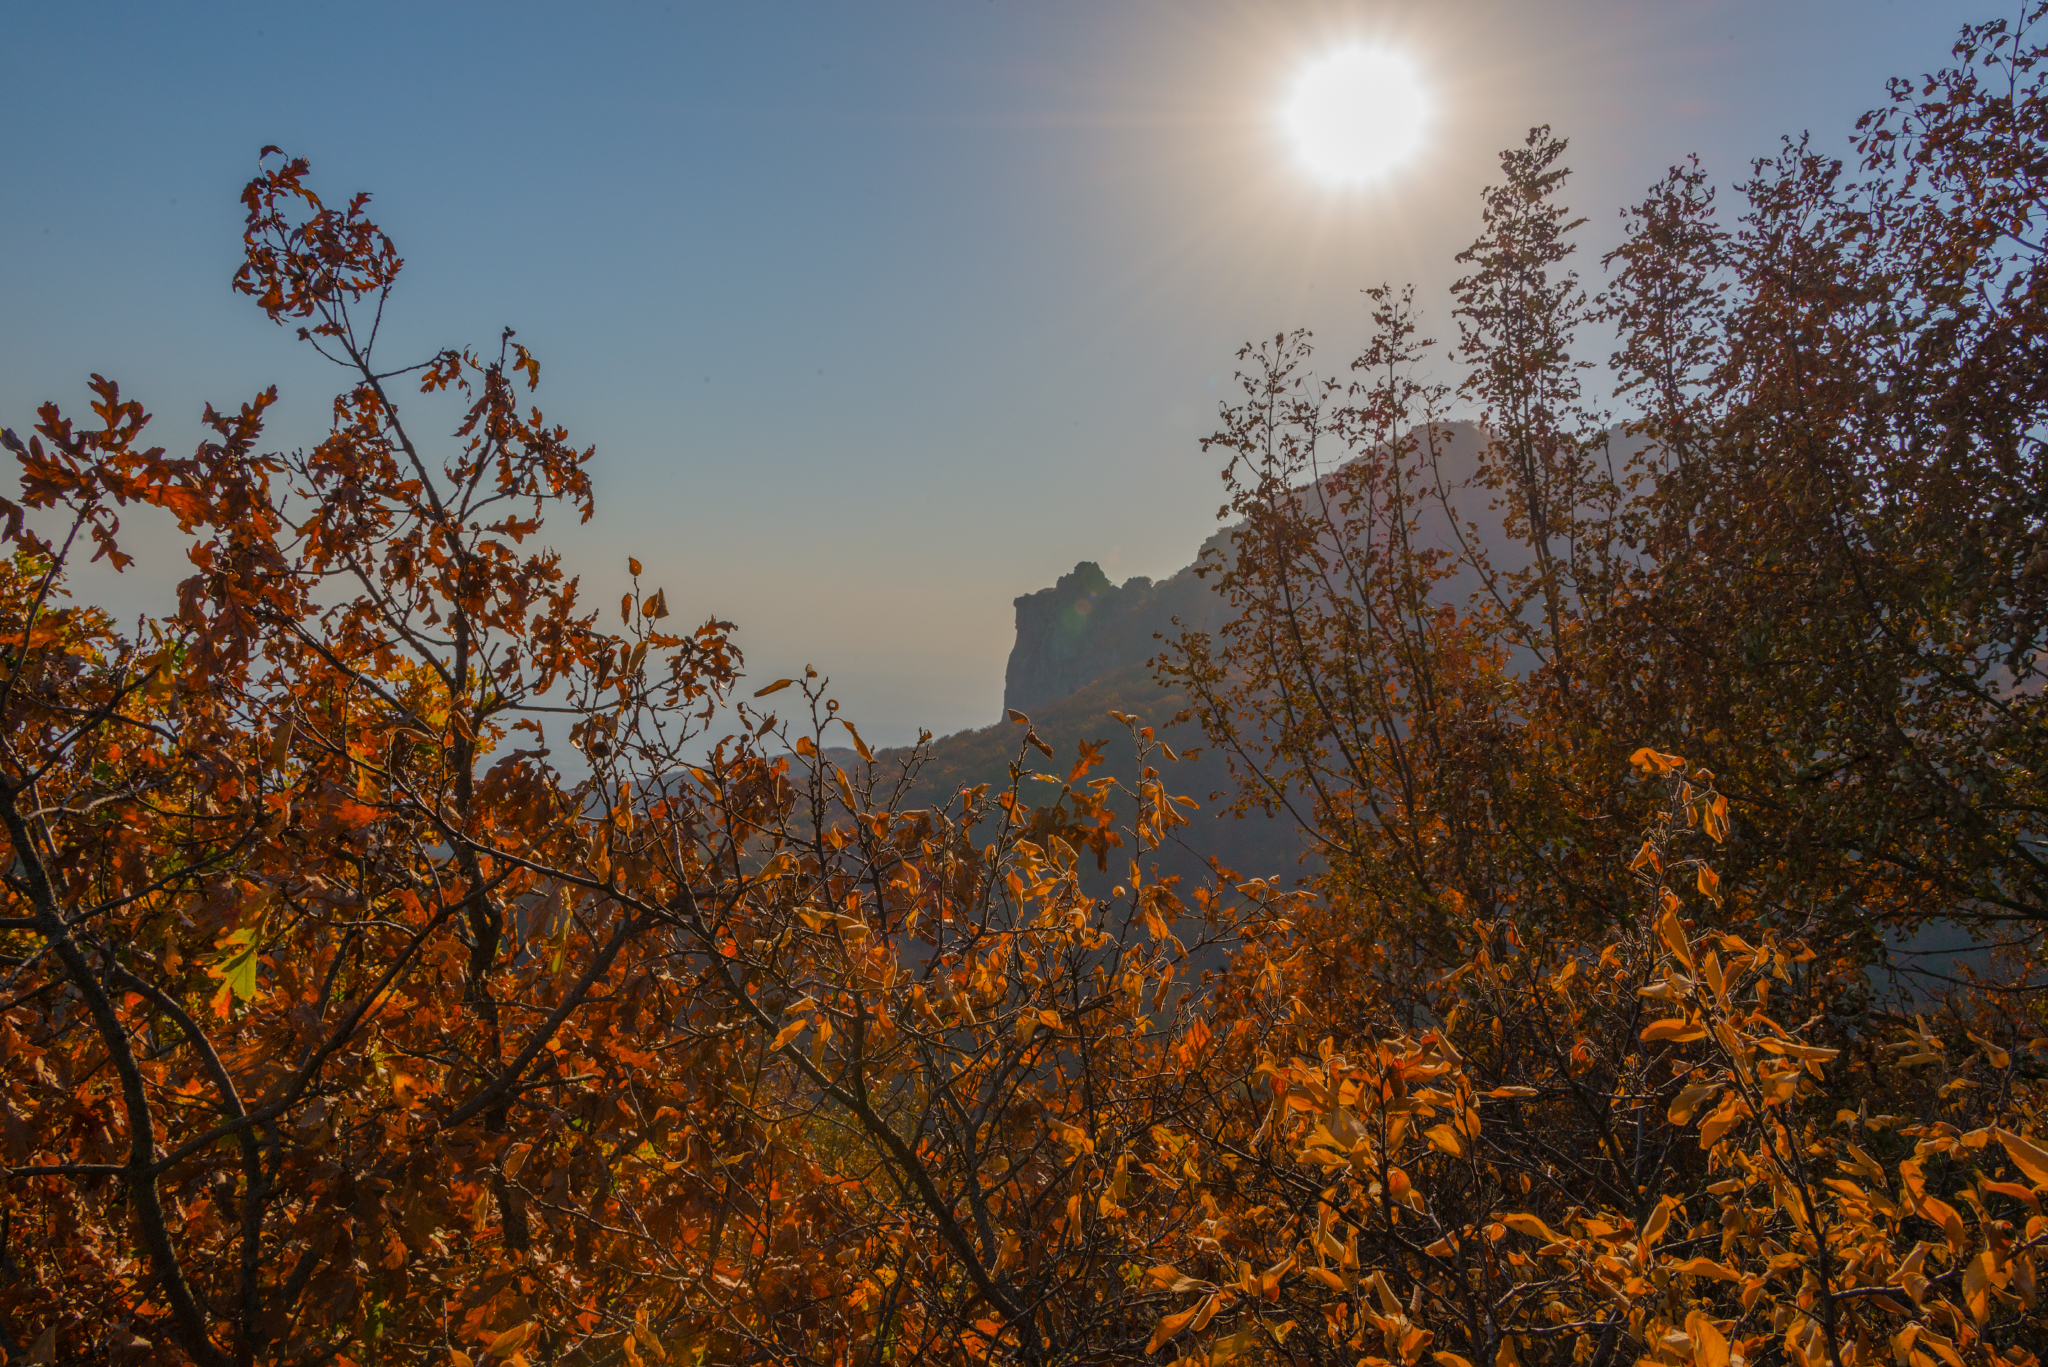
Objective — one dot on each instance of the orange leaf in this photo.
(1689, 1100)
(1163, 1332)
(2030, 1158)
(1672, 930)
(1726, 1117)
(1706, 1267)
(1531, 1226)
(1709, 1344)
(858, 744)
(1944, 1214)
(510, 1340)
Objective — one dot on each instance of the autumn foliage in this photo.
(404, 961)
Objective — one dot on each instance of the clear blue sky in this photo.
(879, 314)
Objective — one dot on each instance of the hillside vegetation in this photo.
(347, 1020)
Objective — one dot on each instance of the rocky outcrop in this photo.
(1085, 627)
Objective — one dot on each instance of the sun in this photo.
(1354, 114)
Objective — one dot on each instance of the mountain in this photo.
(1085, 628)
(1084, 647)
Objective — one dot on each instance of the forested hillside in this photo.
(405, 960)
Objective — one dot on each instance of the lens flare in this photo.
(1354, 114)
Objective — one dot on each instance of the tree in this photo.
(343, 1026)
(1811, 558)
(343, 1023)
(1616, 1152)
(291, 971)
(1805, 559)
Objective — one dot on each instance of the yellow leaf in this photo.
(657, 606)
(1793, 1049)
(1677, 1029)
(1531, 1226)
(1943, 1348)
(1659, 1221)
(1445, 1138)
(1709, 883)
(788, 1033)
(1165, 1275)
(775, 687)
(1650, 763)
(1977, 1282)
(1707, 1267)
(1944, 1214)
(845, 789)
(1993, 1055)
(632, 565)
(1726, 1117)
(2030, 1158)
(1689, 1100)
(1709, 1344)
(1714, 820)
(510, 1340)
(1673, 931)
(859, 745)
(1451, 1360)
(1232, 1345)
(1163, 1332)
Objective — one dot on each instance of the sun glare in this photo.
(1354, 114)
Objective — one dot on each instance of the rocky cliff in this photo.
(1085, 627)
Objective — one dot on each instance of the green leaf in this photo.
(237, 969)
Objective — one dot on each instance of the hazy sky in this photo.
(878, 314)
